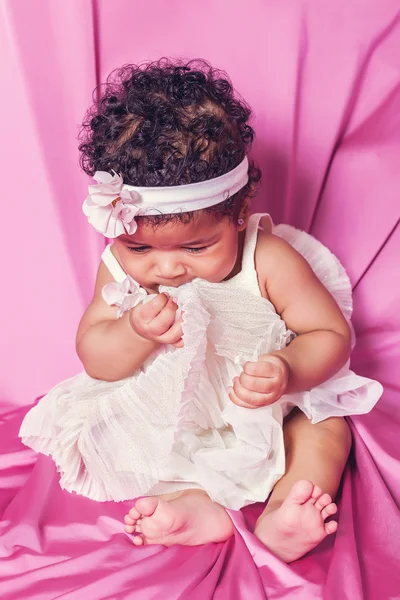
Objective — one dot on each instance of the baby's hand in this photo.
(155, 321)
(260, 383)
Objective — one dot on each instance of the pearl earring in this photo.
(240, 221)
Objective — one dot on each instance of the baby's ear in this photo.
(244, 215)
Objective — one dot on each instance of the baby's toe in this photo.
(328, 511)
(300, 492)
(130, 528)
(316, 493)
(323, 501)
(128, 520)
(134, 513)
(138, 540)
(331, 527)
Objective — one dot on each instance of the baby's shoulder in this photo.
(273, 255)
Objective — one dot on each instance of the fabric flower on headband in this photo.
(110, 208)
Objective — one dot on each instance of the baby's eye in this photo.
(196, 250)
(137, 249)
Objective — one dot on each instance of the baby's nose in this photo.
(170, 269)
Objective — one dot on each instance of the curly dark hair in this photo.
(168, 123)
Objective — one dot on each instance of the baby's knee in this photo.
(338, 429)
(332, 435)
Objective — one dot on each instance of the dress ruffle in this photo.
(172, 426)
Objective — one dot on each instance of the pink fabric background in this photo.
(311, 94)
(323, 79)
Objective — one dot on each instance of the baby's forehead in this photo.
(176, 233)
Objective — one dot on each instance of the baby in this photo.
(216, 362)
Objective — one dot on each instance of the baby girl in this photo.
(216, 345)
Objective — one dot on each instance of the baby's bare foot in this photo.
(297, 526)
(190, 519)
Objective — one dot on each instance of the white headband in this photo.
(112, 206)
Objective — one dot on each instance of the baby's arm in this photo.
(111, 348)
(322, 345)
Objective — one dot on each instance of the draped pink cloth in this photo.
(324, 82)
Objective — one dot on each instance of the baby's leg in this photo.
(189, 517)
(293, 522)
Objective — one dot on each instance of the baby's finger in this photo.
(172, 336)
(263, 385)
(164, 320)
(151, 309)
(254, 399)
(233, 398)
(261, 368)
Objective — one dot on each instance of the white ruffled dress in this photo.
(172, 426)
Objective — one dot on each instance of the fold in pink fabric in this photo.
(59, 545)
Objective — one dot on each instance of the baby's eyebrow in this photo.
(200, 241)
(188, 243)
(126, 241)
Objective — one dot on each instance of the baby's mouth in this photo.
(173, 282)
